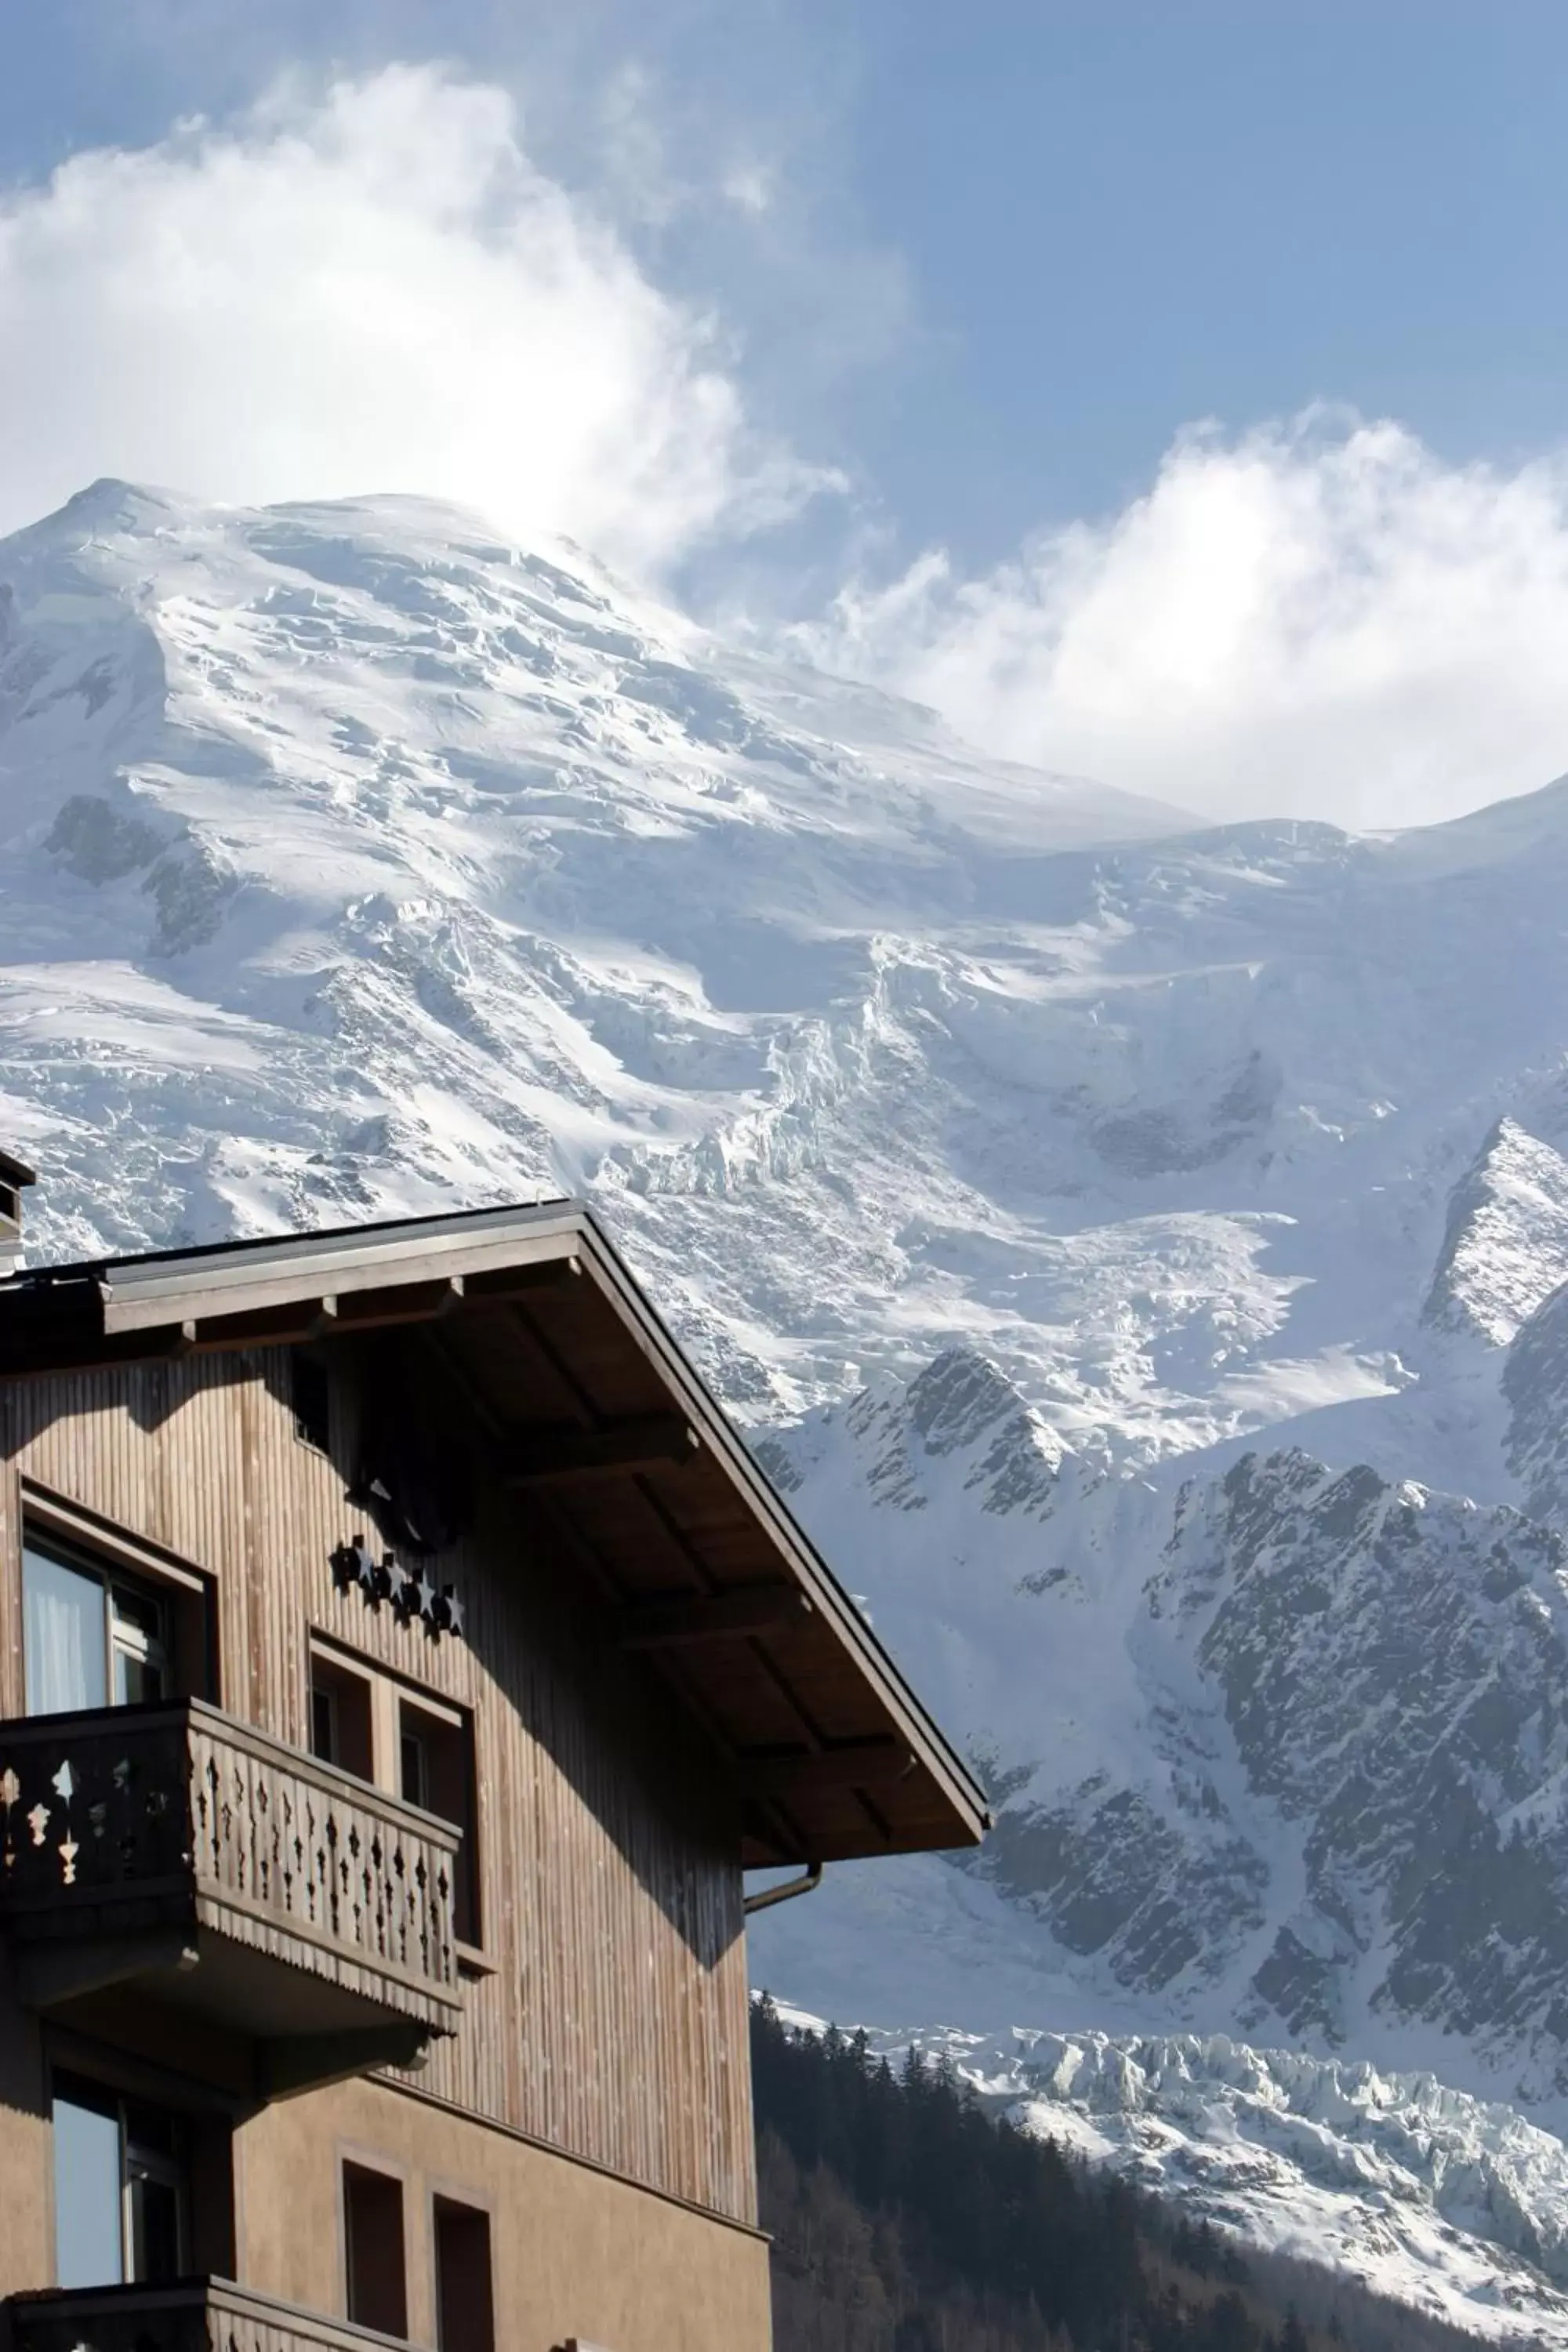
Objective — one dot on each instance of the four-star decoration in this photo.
(411, 1590)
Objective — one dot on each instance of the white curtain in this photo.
(62, 1610)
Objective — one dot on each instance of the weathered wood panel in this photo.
(614, 2024)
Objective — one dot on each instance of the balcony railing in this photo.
(204, 2314)
(174, 1845)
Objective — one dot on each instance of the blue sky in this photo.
(973, 272)
(1103, 219)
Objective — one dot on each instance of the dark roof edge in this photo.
(858, 1634)
(104, 1269)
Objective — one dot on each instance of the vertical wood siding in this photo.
(615, 2022)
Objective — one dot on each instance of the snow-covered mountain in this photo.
(1448, 2203)
(1141, 1248)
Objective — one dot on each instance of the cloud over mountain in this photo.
(1318, 620)
(366, 288)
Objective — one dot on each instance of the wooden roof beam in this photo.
(519, 1281)
(653, 1441)
(671, 1621)
(315, 1319)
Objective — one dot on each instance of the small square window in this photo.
(373, 2255)
(465, 2291)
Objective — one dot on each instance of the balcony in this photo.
(192, 2316)
(175, 1851)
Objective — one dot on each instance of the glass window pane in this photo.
(137, 1628)
(138, 1618)
(151, 2135)
(154, 2226)
(62, 1610)
(87, 2195)
(323, 1728)
(413, 1774)
(136, 1680)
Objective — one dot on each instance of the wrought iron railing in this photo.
(112, 1820)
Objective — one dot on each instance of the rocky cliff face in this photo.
(1288, 1748)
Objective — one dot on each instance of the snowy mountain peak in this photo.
(1506, 1248)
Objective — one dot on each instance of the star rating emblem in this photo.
(412, 1591)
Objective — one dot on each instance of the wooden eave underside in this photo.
(583, 1405)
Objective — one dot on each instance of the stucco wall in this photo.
(574, 2252)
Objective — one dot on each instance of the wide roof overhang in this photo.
(582, 1400)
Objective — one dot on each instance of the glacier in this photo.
(1139, 1249)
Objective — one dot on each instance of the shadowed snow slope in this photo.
(1141, 1250)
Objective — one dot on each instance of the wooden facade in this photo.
(573, 1585)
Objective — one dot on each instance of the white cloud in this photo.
(369, 289)
(373, 287)
(1321, 620)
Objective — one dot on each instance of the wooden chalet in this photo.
(402, 1662)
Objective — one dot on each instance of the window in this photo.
(92, 1637)
(311, 1395)
(416, 1747)
(435, 1771)
(340, 1716)
(465, 2297)
(374, 2263)
(122, 2188)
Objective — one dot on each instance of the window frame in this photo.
(81, 1540)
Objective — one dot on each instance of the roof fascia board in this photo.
(176, 1291)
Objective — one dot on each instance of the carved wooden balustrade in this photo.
(192, 2316)
(139, 1841)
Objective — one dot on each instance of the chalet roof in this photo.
(585, 1400)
